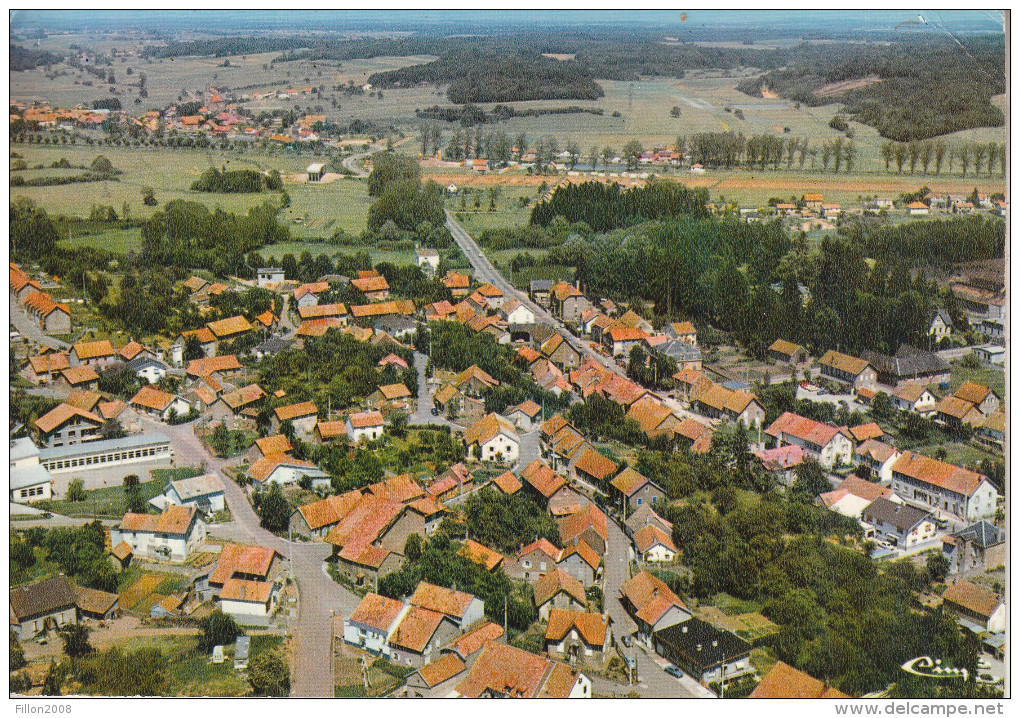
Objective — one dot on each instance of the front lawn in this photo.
(109, 502)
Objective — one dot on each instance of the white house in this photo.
(364, 426)
(427, 259)
(204, 492)
(905, 526)
(270, 275)
(514, 311)
(879, 457)
(653, 545)
(164, 405)
(373, 622)
(915, 397)
(249, 602)
(825, 444)
(285, 470)
(493, 438)
(937, 486)
(171, 536)
(147, 368)
(30, 481)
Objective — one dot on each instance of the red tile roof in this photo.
(442, 600)
(938, 473)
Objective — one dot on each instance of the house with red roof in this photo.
(828, 445)
(943, 488)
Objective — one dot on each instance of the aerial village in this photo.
(320, 388)
(260, 487)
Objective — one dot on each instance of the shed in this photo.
(315, 171)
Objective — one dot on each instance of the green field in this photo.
(992, 377)
(109, 502)
(957, 453)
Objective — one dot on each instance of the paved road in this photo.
(319, 594)
(353, 163)
(530, 448)
(423, 412)
(31, 330)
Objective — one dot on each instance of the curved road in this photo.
(353, 163)
(318, 594)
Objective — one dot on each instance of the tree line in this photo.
(733, 149)
(607, 206)
(935, 154)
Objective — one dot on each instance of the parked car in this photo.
(626, 640)
(674, 671)
(631, 662)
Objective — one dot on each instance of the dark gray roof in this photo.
(701, 644)
(540, 285)
(982, 534)
(42, 598)
(908, 362)
(141, 362)
(678, 350)
(131, 441)
(940, 312)
(335, 279)
(903, 517)
(273, 345)
(394, 323)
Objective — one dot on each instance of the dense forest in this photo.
(23, 58)
(938, 243)
(188, 234)
(476, 76)
(908, 91)
(603, 207)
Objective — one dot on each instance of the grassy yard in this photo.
(992, 377)
(383, 676)
(191, 671)
(957, 453)
(330, 249)
(109, 502)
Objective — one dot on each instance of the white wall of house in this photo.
(521, 315)
(839, 450)
(503, 445)
(286, 475)
(582, 687)
(252, 609)
(216, 501)
(370, 433)
(151, 373)
(155, 546)
(658, 553)
(179, 405)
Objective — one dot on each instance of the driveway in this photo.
(319, 596)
